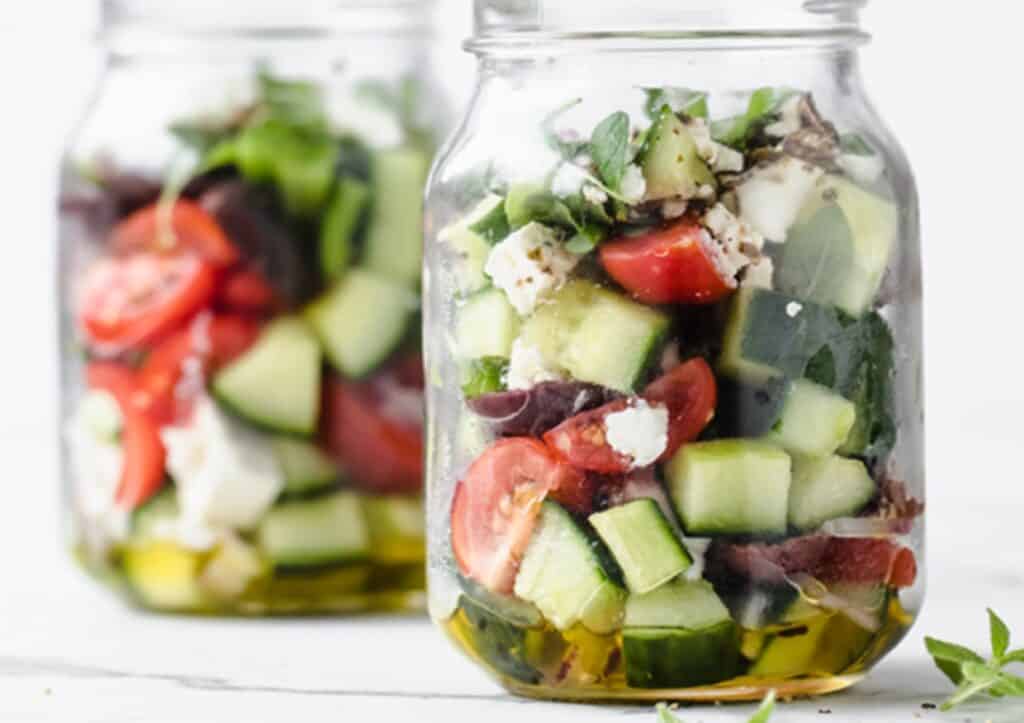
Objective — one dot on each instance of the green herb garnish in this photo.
(763, 106)
(972, 674)
(763, 714)
(609, 147)
(693, 103)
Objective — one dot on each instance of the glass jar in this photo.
(240, 255)
(673, 263)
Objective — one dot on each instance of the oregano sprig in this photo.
(972, 674)
(763, 714)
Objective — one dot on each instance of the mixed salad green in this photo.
(676, 346)
(248, 435)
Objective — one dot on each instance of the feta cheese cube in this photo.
(527, 367)
(529, 265)
(226, 474)
(731, 231)
(634, 185)
(771, 196)
(721, 158)
(568, 180)
(639, 432)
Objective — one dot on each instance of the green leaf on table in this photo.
(942, 650)
(999, 633)
(693, 103)
(766, 710)
(1007, 684)
(1014, 656)
(764, 104)
(665, 715)
(609, 147)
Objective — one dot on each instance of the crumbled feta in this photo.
(770, 197)
(527, 368)
(789, 121)
(865, 170)
(96, 462)
(793, 309)
(595, 195)
(760, 274)
(721, 158)
(529, 265)
(730, 230)
(568, 180)
(634, 185)
(674, 208)
(728, 160)
(226, 474)
(639, 432)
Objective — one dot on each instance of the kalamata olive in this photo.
(532, 412)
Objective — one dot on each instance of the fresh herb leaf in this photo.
(966, 690)
(494, 226)
(665, 715)
(564, 143)
(485, 376)
(586, 240)
(737, 131)
(609, 147)
(1014, 656)
(854, 145)
(1000, 635)
(765, 711)
(299, 103)
(942, 650)
(1007, 684)
(526, 203)
(693, 103)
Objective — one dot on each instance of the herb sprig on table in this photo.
(972, 674)
(665, 715)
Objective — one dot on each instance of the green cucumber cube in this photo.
(680, 658)
(486, 326)
(679, 604)
(815, 421)
(826, 488)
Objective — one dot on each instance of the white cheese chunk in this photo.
(527, 368)
(568, 180)
(529, 265)
(639, 432)
(730, 230)
(226, 474)
(595, 195)
(634, 185)
(866, 170)
(721, 158)
(96, 462)
(770, 197)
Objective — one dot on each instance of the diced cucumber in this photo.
(731, 487)
(341, 221)
(680, 658)
(157, 513)
(231, 570)
(563, 575)
(484, 376)
(276, 384)
(486, 326)
(394, 240)
(362, 320)
(678, 604)
(328, 530)
(397, 528)
(164, 575)
(499, 643)
(827, 488)
(597, 335)
(306, 468)
(473, 247)
(840, 248)
(815, 421)
(672, 164)
(643, 543)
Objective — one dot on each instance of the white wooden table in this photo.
(70, 653)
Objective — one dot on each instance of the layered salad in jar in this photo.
(243, 432)
(679, 409)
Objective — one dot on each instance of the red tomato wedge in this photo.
(209, 343)
(248, 290)
(689, 392)
(186, 227)
(677, 264)
(496, 507)
(129, 301)
(382, 452)
(142, 472)
(691, 395)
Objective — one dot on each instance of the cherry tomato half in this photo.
(129, 301)
(673, 265)
(496, 507)
(247, 290)
(187, 227)
(142, 471)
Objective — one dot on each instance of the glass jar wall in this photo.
(240, 260)
(673, 263)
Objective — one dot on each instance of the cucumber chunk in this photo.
(397, 528)
(472, 239)
(325, 531)
(341, 221)
(597, 335)
(731, 487)
(306, 468)
(827, 488)
(486, 326)
(643, 543)
(500, 643)
(672, 164)
(276, 384)
(394, 240)
(815, 421)
(678, 604)
(361, 321)
(680, 658)
(563, 575)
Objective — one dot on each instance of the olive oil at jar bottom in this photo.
(819, 655)
(165, 577)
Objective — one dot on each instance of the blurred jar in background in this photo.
(240, 253)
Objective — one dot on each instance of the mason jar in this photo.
(240, 253)
(673, 348)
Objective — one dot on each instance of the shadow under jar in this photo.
(673, 261)
(240, 254)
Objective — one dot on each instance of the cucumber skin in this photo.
(303, 432)
(679, 658)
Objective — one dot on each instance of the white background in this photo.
(945, 74)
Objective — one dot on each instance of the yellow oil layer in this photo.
(822, 654)
(162, 576)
